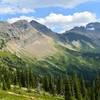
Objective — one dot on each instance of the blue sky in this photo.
(59, 15)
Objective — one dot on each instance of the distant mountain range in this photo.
(85, 38)
(35, 39)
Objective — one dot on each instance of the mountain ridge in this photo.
(23, 33)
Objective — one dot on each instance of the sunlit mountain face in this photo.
(23, 34)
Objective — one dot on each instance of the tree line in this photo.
(71, 87)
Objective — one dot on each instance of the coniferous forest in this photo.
(71, 87)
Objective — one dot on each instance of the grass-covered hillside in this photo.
(64, 61)
(25, 78)
(23, 94)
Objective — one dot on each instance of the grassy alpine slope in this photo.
(61, 63)
(23, 94)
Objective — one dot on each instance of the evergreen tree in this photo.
(68, 92)
(77, 90)
(59, 85)
(4, 85)
(2, 43)
(92, 94)
(83, 88)
(97, 87)
(51, 85)
(46, 84)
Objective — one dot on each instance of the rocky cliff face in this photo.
(25, 39)
(86, 37)
(92, 31)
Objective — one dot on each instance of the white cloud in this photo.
(44, 3)
(26, 6)
(66, 22)
(60, 22)
(13, 10)
(12, 20)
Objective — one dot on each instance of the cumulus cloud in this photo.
(65, 22)
(60, 22)
(27, 6)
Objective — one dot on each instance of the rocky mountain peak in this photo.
(40, 27)
(93, 26)
(22, 25)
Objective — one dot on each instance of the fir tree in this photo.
(77, 90)
(68, 92)
(59, 85)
